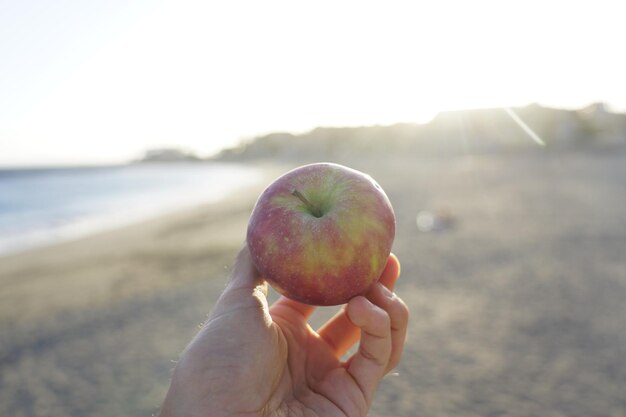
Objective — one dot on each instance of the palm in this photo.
(313, 380)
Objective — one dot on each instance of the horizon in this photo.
(101, 83)
(206, 157)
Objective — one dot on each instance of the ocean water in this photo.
(44, 206)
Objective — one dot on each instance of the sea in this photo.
(43, 206)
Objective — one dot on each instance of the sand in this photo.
(517, 308)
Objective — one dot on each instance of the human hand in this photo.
(250, 359)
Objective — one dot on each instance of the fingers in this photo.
(368, 365)
(339, 332)
(398, 316)
(391, 273)
(382, 319)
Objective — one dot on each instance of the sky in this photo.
(100, 82)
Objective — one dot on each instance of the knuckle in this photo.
(383, 319)
(400, 312)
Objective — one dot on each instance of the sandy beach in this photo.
(517, 305)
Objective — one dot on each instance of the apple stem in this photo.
(314, 210)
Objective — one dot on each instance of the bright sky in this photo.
(101, 81)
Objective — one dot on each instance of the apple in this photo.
(321, 233)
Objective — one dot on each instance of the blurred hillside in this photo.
(168, 155)
(457, 132)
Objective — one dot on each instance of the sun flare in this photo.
(204, 75)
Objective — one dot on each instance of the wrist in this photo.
(179, 403)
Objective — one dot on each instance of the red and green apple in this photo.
(321, 233)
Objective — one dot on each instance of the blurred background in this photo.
(136, 136)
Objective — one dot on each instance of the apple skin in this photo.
(327, 245)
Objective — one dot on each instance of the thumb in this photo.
(245, 288)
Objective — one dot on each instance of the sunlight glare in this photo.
(524, 126)
(204, 75)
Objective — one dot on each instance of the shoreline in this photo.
(97, 225)
(115, 217)
(125, 195)
(133, 260)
